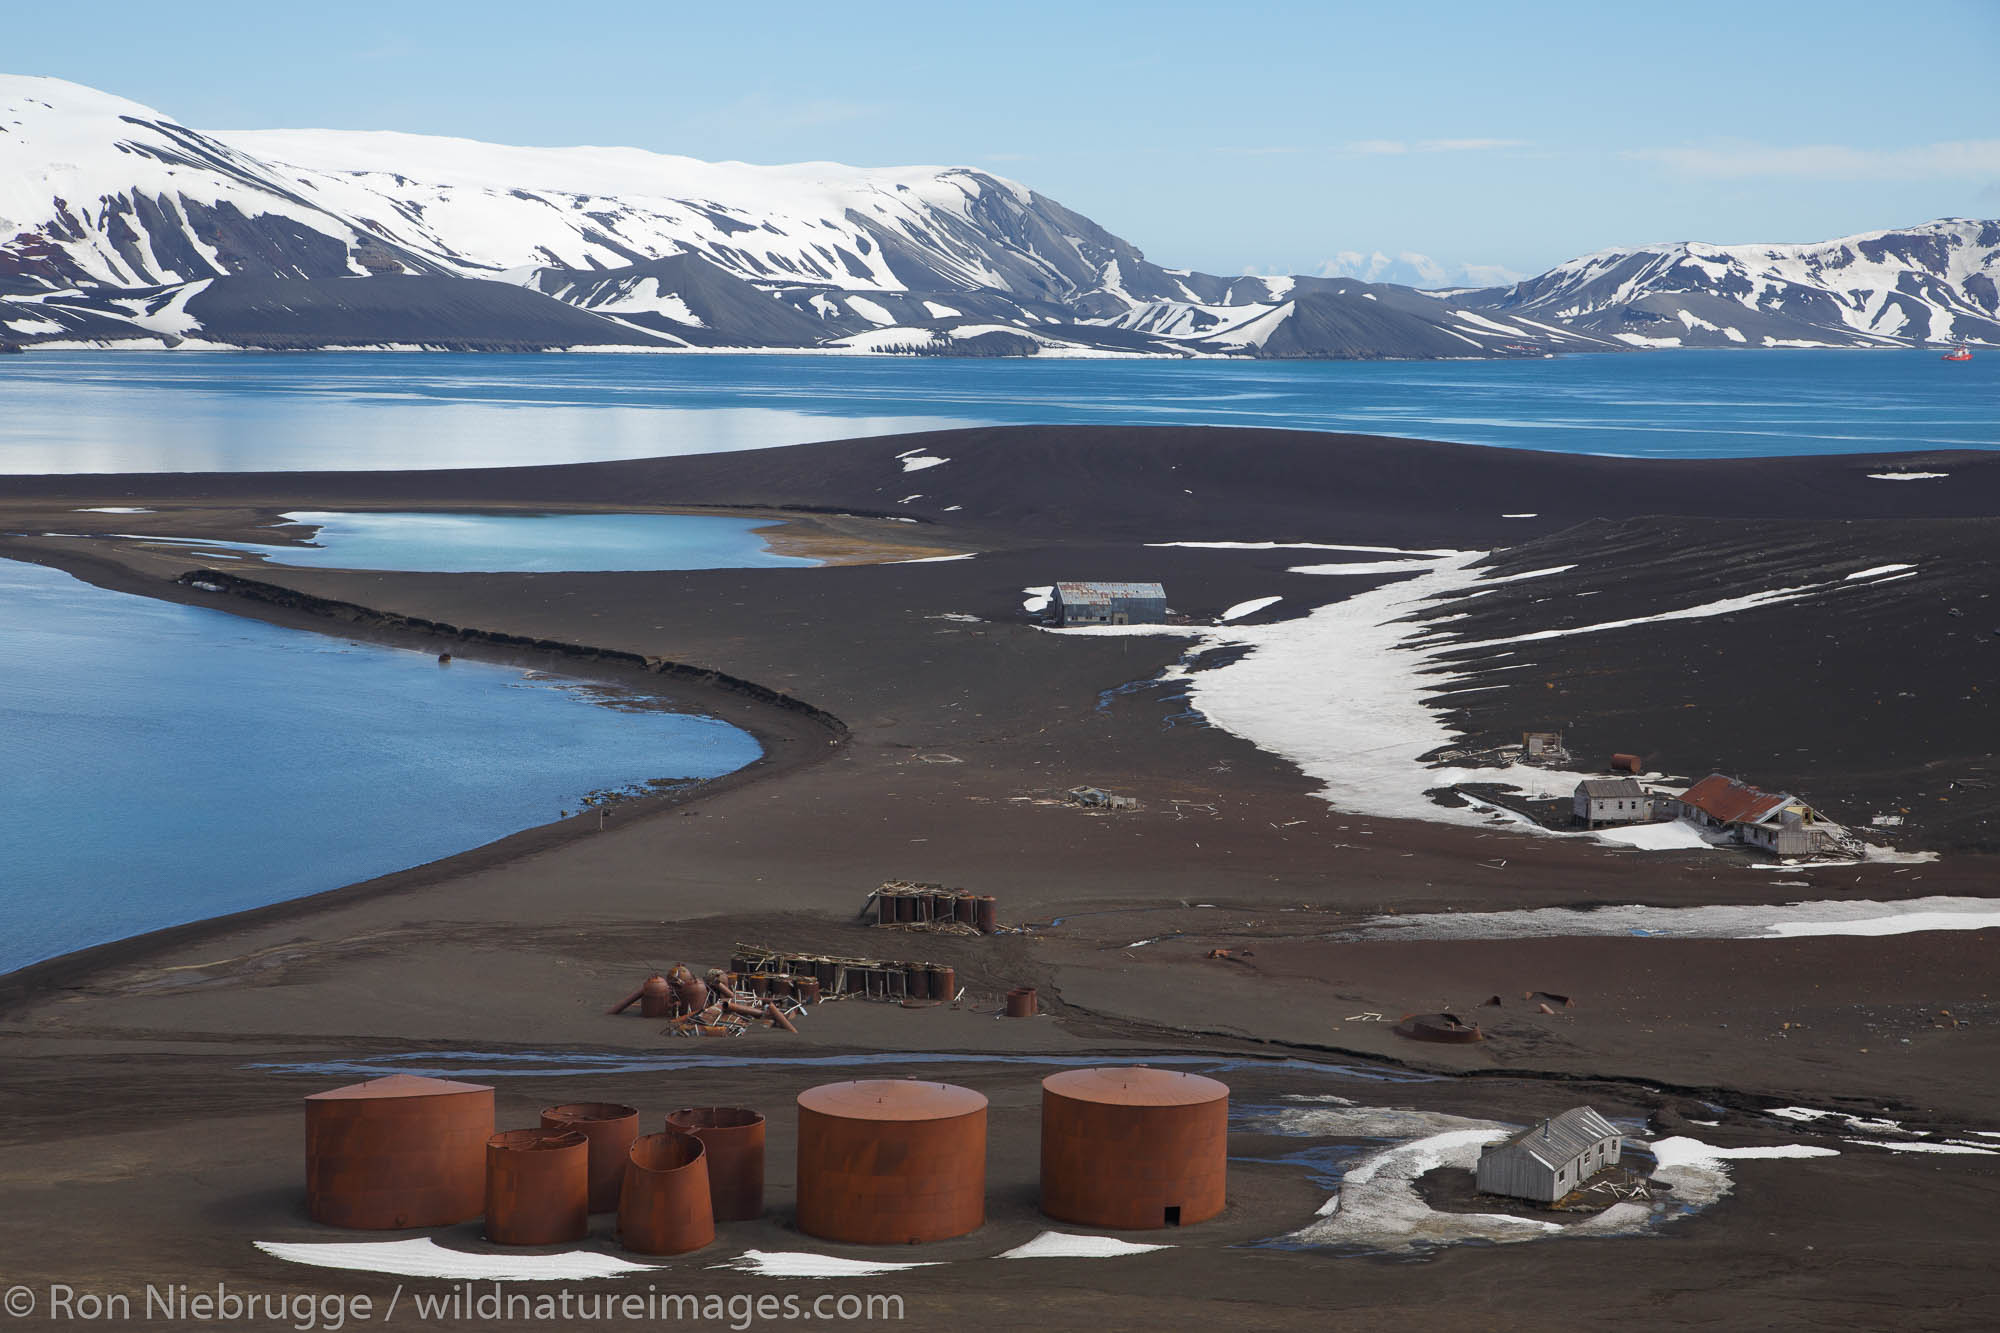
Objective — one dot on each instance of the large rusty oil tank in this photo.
(656, 997)
(401, 1151)
(665, 1206)
(734, 1139)
(891, 1161)
(610, 1127)
(1132, 1148)
(537, 1187)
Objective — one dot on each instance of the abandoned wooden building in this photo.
(1547, 1161)
(1108, 604)
(1773, 821)
(1612, 801)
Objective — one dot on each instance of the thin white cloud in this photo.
(1467, 145)
(1390, 147)
(1963, 157)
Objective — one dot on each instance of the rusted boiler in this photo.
(733, 1137)
(891, 1161)
(537, 1187)
(400, 1151)
(665, 1207)
(610, 1128)
(1134, 1148)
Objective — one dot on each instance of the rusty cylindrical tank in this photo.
(891, 1161)
(965, 908)
(1134, 1148)
(917, 982)
(1022, 1002)
(537, 1187)
(944, 983)
(656, 997)
(885, 908)
(610, 1127)
(734, 1139)
(807, 989)
(665, 1207)
(1627, 763)
(400, 1151)
(906, 907)
(988, 914)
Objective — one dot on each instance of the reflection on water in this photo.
(460, 543)
(164, 763)
(184, 411)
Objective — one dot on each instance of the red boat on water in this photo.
(1959, 353)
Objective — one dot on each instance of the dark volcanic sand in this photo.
(129, 1111)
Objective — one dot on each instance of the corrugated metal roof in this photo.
(1562, 1139)
(1102, 594)
(1603, 789)
(1731, 802)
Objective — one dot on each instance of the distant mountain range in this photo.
(123, 227)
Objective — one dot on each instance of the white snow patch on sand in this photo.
(115, 509)
(1760, 921)
(1038, 598)
(936, 560)
(1304, 546)
(1906, 476)
(1366, 567)
(1672, 836)
(798, 1263)
(1059, 1245)
(918, 462)
(424, 1257)
(1878, 569)
(1251, 607)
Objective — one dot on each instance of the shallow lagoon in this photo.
(162, 763)
(466, 543)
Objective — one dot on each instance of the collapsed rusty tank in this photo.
(400, 1151)
(734, 1139)
(610, 1127)
(665, 1207)
(1134, 1148)
(537, 1187)
(891, 1161)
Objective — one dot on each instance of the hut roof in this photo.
(1103, 594)
(1733, 802)
(1604, 789)
(1561, 1139)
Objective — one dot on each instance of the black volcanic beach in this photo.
(919, 727)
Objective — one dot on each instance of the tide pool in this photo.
(163, 763)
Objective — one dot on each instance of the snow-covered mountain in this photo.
(119, 224)
(1933, 283)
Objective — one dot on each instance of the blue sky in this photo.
(1262, 137)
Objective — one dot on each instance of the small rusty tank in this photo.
(400, 1151)
(610, 1127)
(988, 914)
(891, 1161)
(665, 1206)
(537, 1187)
(965, 910)
(656, 997)
(944, 983)
(734, 1139)
(1022, 1002)
(1134, 1148)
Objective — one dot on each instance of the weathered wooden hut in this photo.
(1109, 604)
(1612, 801)
(1547, 1161)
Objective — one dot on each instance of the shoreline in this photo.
(776, 721)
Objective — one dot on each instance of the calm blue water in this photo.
(459, 543)
(203, 411)
(163, 763)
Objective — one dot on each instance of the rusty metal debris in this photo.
(835, 978)
(908, 905)
(1448, 1029)
(721, 1004)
